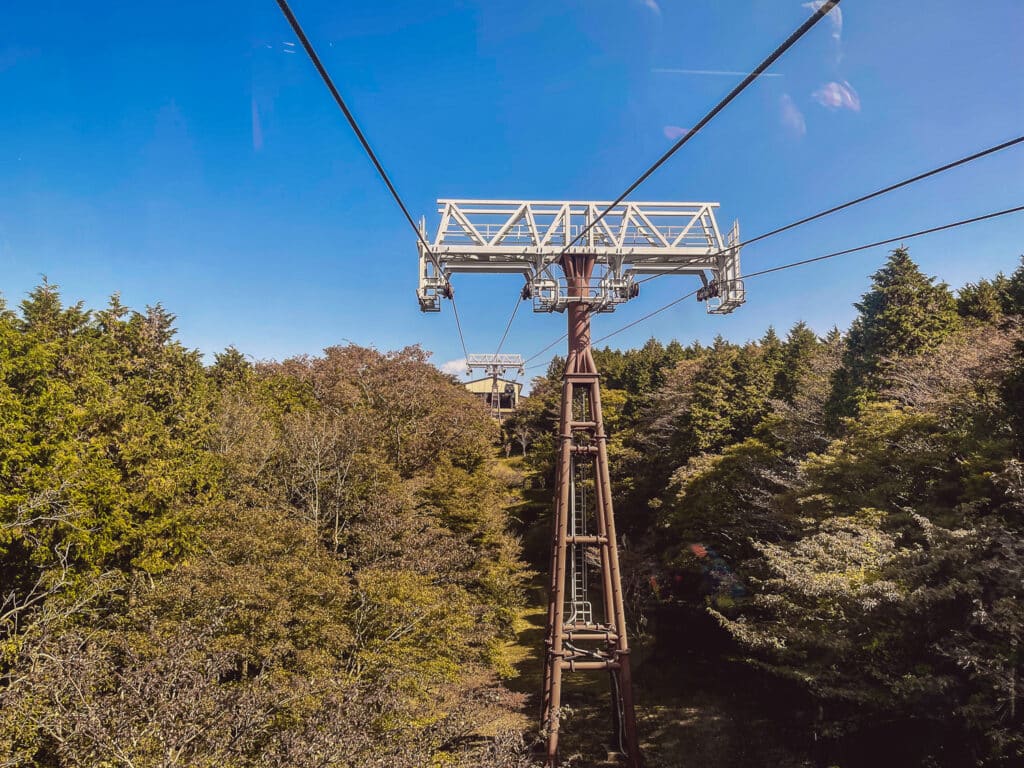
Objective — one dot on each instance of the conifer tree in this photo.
(904, 313)
(983, 301)
(796, 360)
(1013, 297)
(756, 369)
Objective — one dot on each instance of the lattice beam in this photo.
(530, 237)
(494, 363)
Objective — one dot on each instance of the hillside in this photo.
(327, 561)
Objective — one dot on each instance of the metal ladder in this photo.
(495, 399)
(580, 609)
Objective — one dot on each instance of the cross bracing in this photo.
(494, 363)
(529, 237)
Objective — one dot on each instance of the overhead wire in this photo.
(313, 57)
(804, 262)
(823, 10)
(887, 241)
(458, 325)
(508, 325)
(541, 352)
(354, 125)
(648, 316)
(855, 201)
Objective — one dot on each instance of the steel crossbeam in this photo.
(529, 237)
(494, 363)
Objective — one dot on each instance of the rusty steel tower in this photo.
(598, 257)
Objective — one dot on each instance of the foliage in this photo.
(314, 555)
(849, 509)
(302, 563)
(904, 313)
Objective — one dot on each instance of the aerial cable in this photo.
(817, 16)
(508, 326)
(458, 324)
(648, 316)
(887, 241)
(287, 11)
(804, 262)
(822, 11)
(856, 201)
(313, 57)
(549, 346)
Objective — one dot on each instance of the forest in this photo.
(327, 560)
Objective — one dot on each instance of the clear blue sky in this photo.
(187, 152)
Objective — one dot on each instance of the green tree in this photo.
(984, 301)
(798, 354)
(904, 313)
(290, 563)
(1013, 297)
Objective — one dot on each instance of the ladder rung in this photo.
(573, 664)
(574, 539)
(571, 635)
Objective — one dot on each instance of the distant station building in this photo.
(508, 393)
(499, 394)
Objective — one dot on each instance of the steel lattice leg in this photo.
(580, 642)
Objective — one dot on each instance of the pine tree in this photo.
(1014, 295)
(710, 417)
(771, 348)
(903, 314)
(230, 366)
(984, 300)
(797, 358)
(756, 369)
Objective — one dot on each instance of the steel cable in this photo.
(856, 201)
(508, 325)
(315, 59)
(800, 31)
(804, 262)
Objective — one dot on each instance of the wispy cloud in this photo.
(285, 47)
(651, 5)
(835, 20)
(835, 17)
(727, 72)
(454, 367)
(791, 116)
(837, 96)
(673, 132)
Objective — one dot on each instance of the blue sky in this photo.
(187, 152)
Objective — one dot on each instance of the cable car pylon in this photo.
(586, 629)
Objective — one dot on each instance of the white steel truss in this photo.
(529, 237)
(495, 364)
